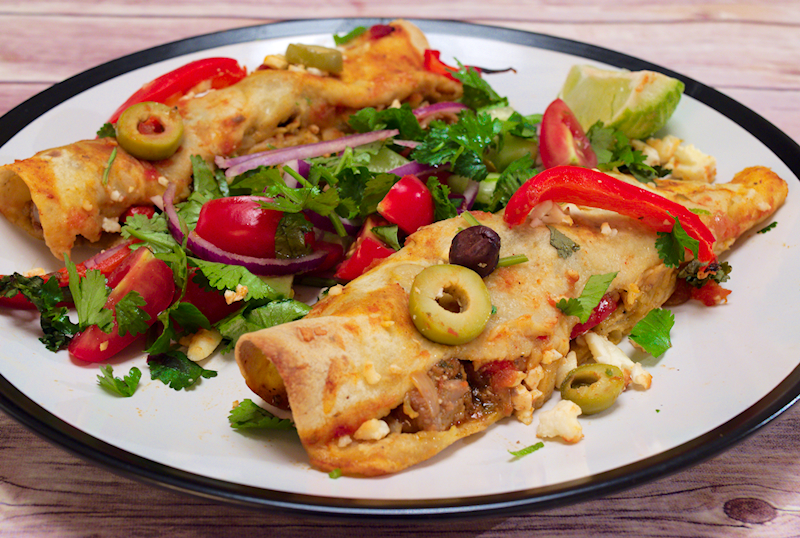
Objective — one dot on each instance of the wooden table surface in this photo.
(748, 50)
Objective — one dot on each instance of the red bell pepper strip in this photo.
(604, 308)
(106, 265)
(216, 72)
(586, 187)
(433, 64)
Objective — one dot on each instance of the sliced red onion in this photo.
(414, 168)
(324, 223)
(470, 194)
(105, 254)
(173, 222)
(447, 107)
(239, 165)
(406, 143)
(258, 266)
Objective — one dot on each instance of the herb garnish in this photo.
(593, 291)
(652, 332)
(124, 387)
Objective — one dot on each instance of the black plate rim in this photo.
(31, 415)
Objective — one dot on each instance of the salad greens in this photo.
(489, 147)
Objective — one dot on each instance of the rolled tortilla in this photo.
(58, 195)
(353, 370)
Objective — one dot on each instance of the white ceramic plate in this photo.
(731, 368)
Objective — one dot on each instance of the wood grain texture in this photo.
(748, 50)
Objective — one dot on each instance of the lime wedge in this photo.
(638, 103)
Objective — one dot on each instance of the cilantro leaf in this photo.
(527, 450)
(124, 387)
(228, 277)
(248, 415)
(401, 118)
(187, 316)
(697, 274)
(262, 317)
(206, 180)
(461, 145)
(45, 295)
(290, 236)
(672, 245)
(294, 200)
(374, 191)
(130, 317)
(522, 126)
(563, 244)
(767, 228)
(152, 232)
(652, 332)
(107, 131)
(477, 92)
(89, 295)
(593, 291)
(349, 36)
(443, 206)
(512, 178)
(254, 181)
(174, 369)
(614, 150)
(388, 234)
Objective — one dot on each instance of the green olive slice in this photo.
(150, 131)
(322, 58)
(594, 387)
(449, 304)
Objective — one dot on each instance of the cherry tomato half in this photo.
(141, 272)
(562, 140)
(409, 204)
(240, 225)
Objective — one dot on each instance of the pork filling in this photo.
(451, 393)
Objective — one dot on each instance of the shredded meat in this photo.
(460, 393)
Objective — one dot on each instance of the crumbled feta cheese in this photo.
(569, 363)
(692, 164)
(607, 230)
(111, 225)
(522, 402)
(116, 196)
(87, 205)
(238, 295)
(605, 352)
(651, 157)
(534, 377)
(344, 441)
(372, 430)
(203, 343)
(550, 356)
(665, 147)
(561, 421)
(370, 374)
(275, 61)
(164, 182)
(36, 271)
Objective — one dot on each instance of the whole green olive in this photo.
(150, 131)
(449, 304)
(594, 387)
(476, 247)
